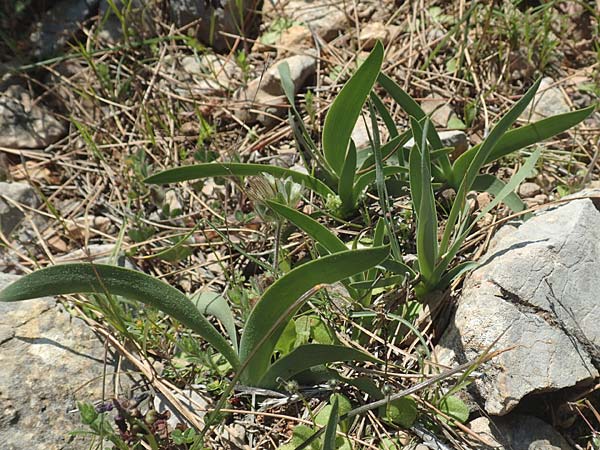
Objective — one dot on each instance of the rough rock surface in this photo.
(10, 215)
(518, 432)
(24, 124)
(376, 31)
(549, 101)
(536, 289)
(266, 94)
(214, 17)
(48, 361)
(326, 19)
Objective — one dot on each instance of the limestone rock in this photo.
(529, 190)
(518, 432)
(10, 215)
(214, 17)
(24, 124)
(211, 74)
(376, 31)
(438, 109)
(293, 40)
(548, 102)
(266, 94)
(327, 19)
(536, 289)
(48, 361)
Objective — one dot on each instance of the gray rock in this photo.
(536, 290)
(518, 432)
(266, 94)
(48, 361)
(227, 16)
(210, 74)
(376, 31)
(548, 102)
(529, 190)
(10, 215)
(438, 109)
(59, 24)
(24, 124)
(454, 138)
(326, 19)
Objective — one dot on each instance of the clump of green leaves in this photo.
(252, 357)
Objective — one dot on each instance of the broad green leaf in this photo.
(401, 412)
(455, 408)
(371, 284)
(479, 159)
(307, 356)
(398, 267)
(187, 173)
(104, 279)
(332, 422)
(369, 178)
(516, 179)
(310, 226)
(389, 121)
(413, 109)
(521, 138)
(491, 184)
(410, 106)
(287, 340)
(455, 272)
(346, 183)
(286, 81)
(346, 107)
(387, 149)
(279, 302)
(514, 182)
(427, 248)
(211, 303)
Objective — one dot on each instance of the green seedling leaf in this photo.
(370, 177)
(517, 178)
(346, 183)
(491, 184)
(479, 159)
(286, 81)
(307, 356)
(104, 279)
(387, 150)
(455, 408)
(413, 109)
(402, 412)
(388, 120)
(398, 267)
(310, 226)
(211, 303)
(279, 302)
(427, 245)
(199, 171)
(346, 107)
(520, 138)
(334, 417)
(287, 340)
